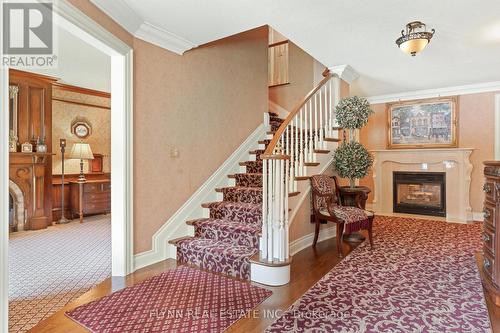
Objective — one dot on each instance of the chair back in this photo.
(324, 190)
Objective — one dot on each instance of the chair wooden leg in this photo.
(370, 233)
(340, 232)
(316, 230)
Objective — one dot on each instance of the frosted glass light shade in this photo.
(414, 46)
(81, 151)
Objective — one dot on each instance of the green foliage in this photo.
(352, 160)
(353, 112)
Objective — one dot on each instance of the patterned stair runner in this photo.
(225, 241)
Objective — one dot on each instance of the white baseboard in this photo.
(176, 225)
(476, 216)
(305, 241)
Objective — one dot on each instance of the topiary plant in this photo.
(351, 160)
(353, 112)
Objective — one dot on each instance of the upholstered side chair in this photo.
(326, 205)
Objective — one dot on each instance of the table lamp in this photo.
(81, 151)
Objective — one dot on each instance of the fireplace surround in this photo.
(422, 193)
(454, 162)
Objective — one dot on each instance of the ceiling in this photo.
(465, 49)
(79, 63)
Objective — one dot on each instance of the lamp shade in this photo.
(81, 151)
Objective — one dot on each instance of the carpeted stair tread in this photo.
(216, 256)
(235, 211)
(276, 119)
(242, 194)
(227, 231)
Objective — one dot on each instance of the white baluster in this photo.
(321, 109)
(315, 111)
(271, 210)
(284, 227)
(263, 243)
(297, 158)
(301, 143)
(278, 206)
(311, 156)
(330, 111)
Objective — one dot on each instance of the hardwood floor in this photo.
(308, 267)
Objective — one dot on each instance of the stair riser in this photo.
(254, 167)
(236, 214)
(246, 180)
(235, 195)
(230, 235)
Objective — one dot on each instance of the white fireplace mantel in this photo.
(455, 162)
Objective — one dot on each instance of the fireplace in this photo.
(421, 193)
(17, 212)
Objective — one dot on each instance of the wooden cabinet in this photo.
(89, 198)
(33, 172)
(491, 230)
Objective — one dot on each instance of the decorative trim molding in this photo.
(73, 20)
(80, 90)
(497, 127)
(126, 17)
(176, 225)
(345, 72)
(305, 241)
(80, 103)
(121, 13)
(4, 194)
(163, 38)
(438, 92)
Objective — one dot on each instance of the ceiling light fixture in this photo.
(415, 38)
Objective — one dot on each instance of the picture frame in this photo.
(425, 123)
(26, 147)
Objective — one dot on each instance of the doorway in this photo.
(77, 23)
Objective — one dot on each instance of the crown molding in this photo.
(127, 18)
(164, 39)
(345, 72)
(438, 92)
(121, 13)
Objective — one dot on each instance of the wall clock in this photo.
(81, 129)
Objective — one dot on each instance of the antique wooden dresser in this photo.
(90, 197)
(491, 230)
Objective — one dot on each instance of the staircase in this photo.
(246, 234)
(225, 242)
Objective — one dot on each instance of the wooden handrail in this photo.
(270, 148)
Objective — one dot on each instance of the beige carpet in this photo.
(49, 268)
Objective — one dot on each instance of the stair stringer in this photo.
(176, 226)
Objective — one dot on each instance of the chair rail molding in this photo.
(126, 17)
(176, 225)
(438, 92)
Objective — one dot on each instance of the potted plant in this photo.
(351, 160)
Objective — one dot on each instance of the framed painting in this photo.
(429, 123)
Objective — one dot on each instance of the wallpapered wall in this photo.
(64, 114)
